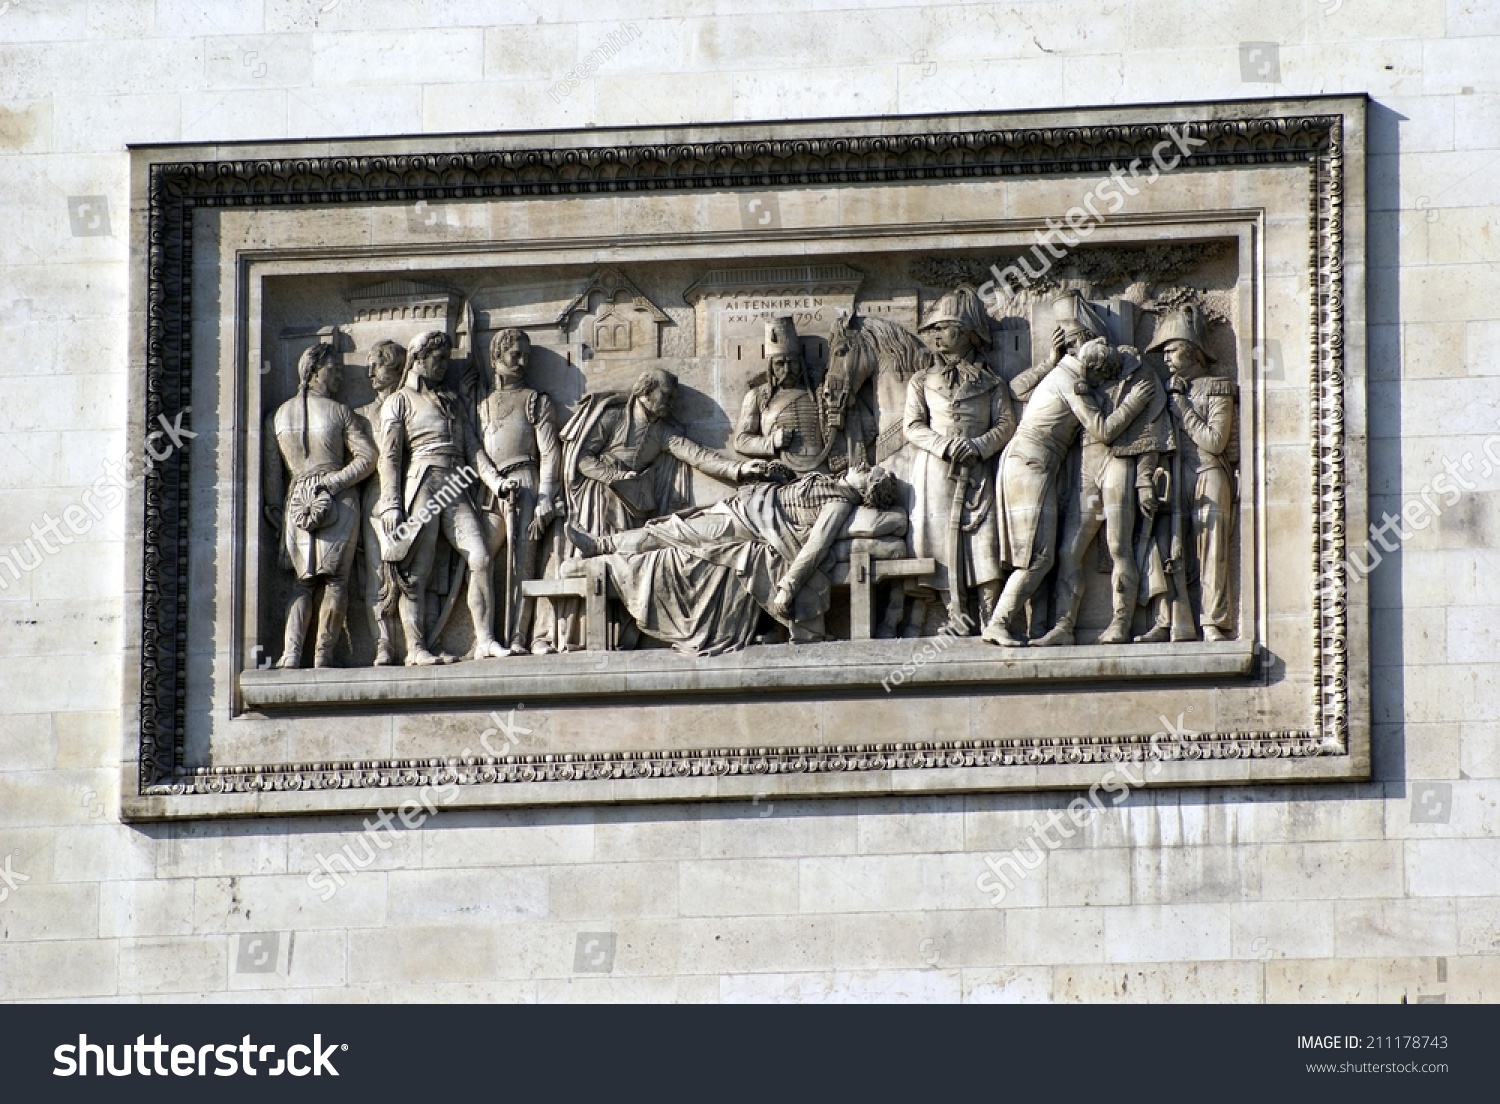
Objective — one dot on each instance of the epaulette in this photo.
(1217, 385)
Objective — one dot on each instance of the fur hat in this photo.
(782, 340)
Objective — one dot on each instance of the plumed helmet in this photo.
(1184, 324)
(782, 340)
(1078, 317)
(961, 305)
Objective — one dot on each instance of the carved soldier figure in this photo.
(625, 460)
(780, 418)
(1203, 413)
(1106, 482)
(428, 461)
(384, 364)
(1027, 499)
(325, 449)
(959, 416)
(518, 432)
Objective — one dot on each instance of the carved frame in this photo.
(1310, 136)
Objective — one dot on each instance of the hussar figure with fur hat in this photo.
(779, 419)
(958, 416)
(324, 448)
(1203, 413)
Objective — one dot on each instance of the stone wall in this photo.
(1384, 891)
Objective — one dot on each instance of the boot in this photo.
(997, 631)
(1059, 635)
(1117, 633)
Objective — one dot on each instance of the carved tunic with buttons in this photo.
(948, 402)
(794, 409)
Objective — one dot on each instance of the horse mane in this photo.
(896, 348)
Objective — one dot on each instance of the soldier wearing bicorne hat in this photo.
(959, 416)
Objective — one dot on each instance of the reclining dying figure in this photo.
(700, 580)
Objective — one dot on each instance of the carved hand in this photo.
(1147, 499)
(1177, 385)
(1059, 344)
(752, 469)
(390, 521)
(781, 437)
(540, 519)
(781, 602)
(965, 452)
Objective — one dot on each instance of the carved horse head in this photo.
(870, 361)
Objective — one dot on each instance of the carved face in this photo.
(329, 379)
(509, 354)
(385, 372)
(1183, 359)
(434, 366)
(1074, 337)
(658, 403)
(951, 339)
(786, 370)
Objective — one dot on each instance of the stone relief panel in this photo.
(983, 449)
(901, 455)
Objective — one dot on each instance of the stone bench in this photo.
(861, 574)
(592, 588)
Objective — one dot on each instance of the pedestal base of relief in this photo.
(844, 666)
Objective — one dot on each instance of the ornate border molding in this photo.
(177, 189)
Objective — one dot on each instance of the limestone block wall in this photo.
(1385, 891)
